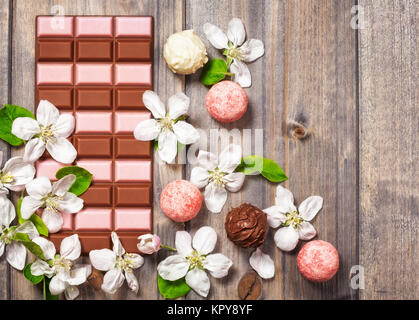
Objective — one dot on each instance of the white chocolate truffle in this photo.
(184, 52)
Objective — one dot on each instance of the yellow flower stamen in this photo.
(293, 219)
(196, 260)
(125, 263)
(217, 177)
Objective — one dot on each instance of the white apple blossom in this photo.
(118, 266)
(61, 268)
(168, 128)
(217, 176)
(15, 250)
(54, 199)
(236, 51)
(295, 223)
(149, 243)
(192, 258)
(15, 174)
(49, 131)
(262, 264)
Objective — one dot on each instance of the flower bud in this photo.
(149, 243)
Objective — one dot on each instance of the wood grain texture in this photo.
(307, 77)
(168, 17)
(389, 149)
(4, 94)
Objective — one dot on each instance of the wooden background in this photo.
(354, 90)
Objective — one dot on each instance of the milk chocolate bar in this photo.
(97, 68)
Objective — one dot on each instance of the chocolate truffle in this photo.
(246, 226)
(181, 200)
(318, 261)
(226, 101)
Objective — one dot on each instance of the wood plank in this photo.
(4, 93)
(168, 19)
(307, 76)
(389, 149)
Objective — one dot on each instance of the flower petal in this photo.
(167, 146)
(118, 249)
(16, 255)
(215, 197)
(65, 125)
(136, 261)
(178, 105)
(22, 172)
(275, 216)
(198, 280)
(216, 36)
(29, 206)
(173, 267)
(204, 240)
(147, 130)
(236, 33)
(57, 286)
(29, 228)
(2, 246)
(34, 149)
(241, 74)
(183, 243)
(78, 275)
(230, 158)
(252, 49)
(103, 260)
(199, 177)
(262, 264)
(40, 267)
(284, 200)
(306, 231)
(70, 203)
(7, 212)
(218, 265)
(112, 281)
(207, 160)
(186, 133)
(70, 247)
(309, 208)
(39, 188)
(234, 181)
(47, 113)
(53, 220)
(61, 187)
(47, 247)
(132, 281)
(25, 128)
(62, 150)
(286, 238)
(71, 292)
(153, 103)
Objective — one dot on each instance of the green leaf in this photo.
(173, 289)
(28, 275)
(29, 244)
(268, 168)
(8, 114)
(83, 178)
(214, 71)
(19, 215)
(47, 293)
(180, 147)
(39, 225)
(156, 145)
(35, 219)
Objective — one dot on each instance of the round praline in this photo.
(226, 101)
(318, 261)
(181, 200)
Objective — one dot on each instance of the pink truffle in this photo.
(226, 101)
(318, 261)
(181, 200)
